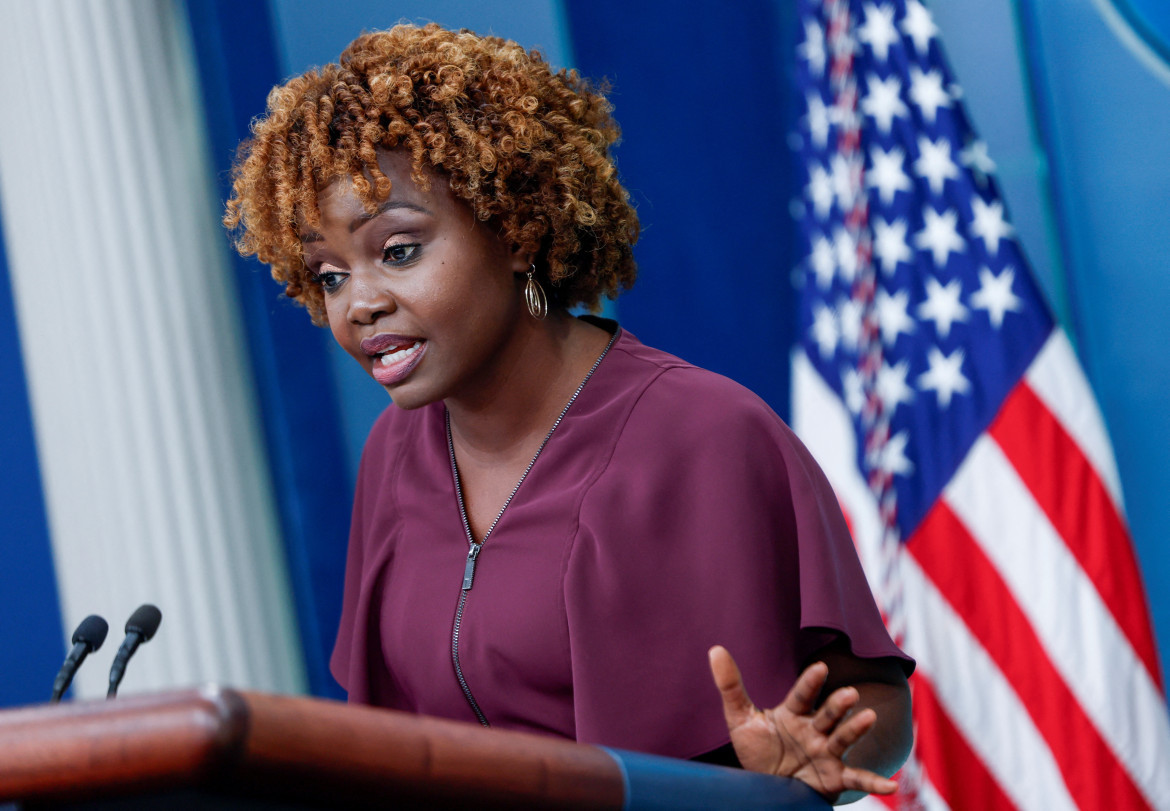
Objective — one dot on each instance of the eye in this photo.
(329, 280)
(399, 253)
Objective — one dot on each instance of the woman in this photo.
(553, 523)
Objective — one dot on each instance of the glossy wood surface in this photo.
(284, 751)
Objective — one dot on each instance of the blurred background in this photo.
(174, 432)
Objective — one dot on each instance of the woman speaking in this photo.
(557, 529)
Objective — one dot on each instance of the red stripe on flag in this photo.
(968, 580)
(1069, 491)
(953, 768)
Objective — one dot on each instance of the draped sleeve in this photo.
(708, 523)
(357, 662)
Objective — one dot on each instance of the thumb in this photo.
(737, 707)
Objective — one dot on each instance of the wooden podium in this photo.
(221, 748)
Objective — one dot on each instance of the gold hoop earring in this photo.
(534, 296)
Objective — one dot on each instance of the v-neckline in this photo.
(455, 467)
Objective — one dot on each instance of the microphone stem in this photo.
(65, 675)
(118, 668)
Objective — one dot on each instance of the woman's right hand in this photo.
(796, 738)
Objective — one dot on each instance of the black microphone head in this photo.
(144, 621)
(91, 632)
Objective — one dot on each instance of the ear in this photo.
(522, 260)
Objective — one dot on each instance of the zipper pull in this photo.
(469, 569)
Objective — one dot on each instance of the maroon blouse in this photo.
(671, 510)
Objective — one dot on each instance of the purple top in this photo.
(671, 510)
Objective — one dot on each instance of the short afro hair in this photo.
(528, 150)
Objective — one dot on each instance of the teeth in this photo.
(393, 357)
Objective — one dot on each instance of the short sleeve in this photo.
(710, 524)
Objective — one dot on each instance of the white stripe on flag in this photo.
(978, 698)
(1075, 627)
(930, 798)
(1056, 378)
(824, 426)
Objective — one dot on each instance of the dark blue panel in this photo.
(653, 783)
(32, 641)
(705, 105)
(238, 65)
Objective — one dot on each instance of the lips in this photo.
(394, 356)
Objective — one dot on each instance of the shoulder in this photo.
(676, 404)
(687, 426)
(670, 386)
(396, 435)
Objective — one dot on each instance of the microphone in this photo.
(139, 628)
(88, 637)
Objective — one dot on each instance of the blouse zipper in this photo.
(475, 548)
(468, 576)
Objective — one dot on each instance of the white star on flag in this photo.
(813, 47)
(988, 223)
(974, 156)
(945, 376)
(892, 387)
(939, 234)
(820, 190)
(934, 163)
(825, 331)
(926, 90)
(942, 305)
(883, 101)
(850, 314)
(845, 249)
(854, 390)
(893, 317)
(878, 31)
(995, 295)
(892, 457)
(889, 243)
(841, 172)
(886, 174)
(918, 25)
(819, 118)
(824, 265)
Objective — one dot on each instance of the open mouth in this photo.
(394, 356)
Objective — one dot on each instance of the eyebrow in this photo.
(365, 217)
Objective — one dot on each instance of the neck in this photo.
(528, 389)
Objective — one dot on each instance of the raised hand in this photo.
(796, 738)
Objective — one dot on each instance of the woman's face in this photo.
(421, 294)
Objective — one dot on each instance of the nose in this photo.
(370, 298)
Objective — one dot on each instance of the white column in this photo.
(154, 469)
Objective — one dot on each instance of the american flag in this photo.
(954, 421)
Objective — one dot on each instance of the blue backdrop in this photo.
(31, 643)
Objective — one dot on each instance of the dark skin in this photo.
(843, 728)
(422, 267)
(494, 449)
(440, 295)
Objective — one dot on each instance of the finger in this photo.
(737, 707)
(850, 732)
(836, 707)
(867, 781)
(803, 696)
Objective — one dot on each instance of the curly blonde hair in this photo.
(528, 149)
